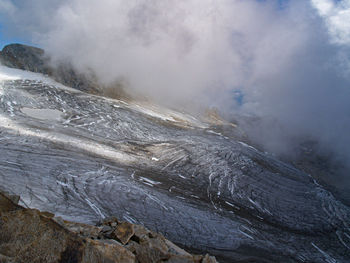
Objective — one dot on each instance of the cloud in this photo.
(7, 6)
(337, 18)
(175, 49)
(289, 63)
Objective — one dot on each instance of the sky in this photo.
(289, 61)
(7, 37)
(5, 40)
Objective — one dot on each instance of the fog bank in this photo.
(285, 61)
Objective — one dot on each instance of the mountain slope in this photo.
(90, 157)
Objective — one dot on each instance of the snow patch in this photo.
(86, 145)
(149, 181)
(15, 74)
(42, 114)
(247, 145)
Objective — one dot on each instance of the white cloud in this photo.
(337, 18)
(6, 6)
(200, 51)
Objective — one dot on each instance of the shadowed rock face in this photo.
(28, 235)
(201, 189)
(24, 57)
(35, 60)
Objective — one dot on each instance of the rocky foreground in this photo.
(29, 235)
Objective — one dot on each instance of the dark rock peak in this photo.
(22, 49)
(36, 60)
(25, 57)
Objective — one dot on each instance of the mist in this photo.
(289, 61)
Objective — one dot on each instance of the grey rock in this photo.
(106, 229)
(183, 259)
(25, 57)
(208, 259)
(175, 249)
(34, 59)
(108, 221)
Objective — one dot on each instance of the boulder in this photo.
(28, 235)
(123, 232)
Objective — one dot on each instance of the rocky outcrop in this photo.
(25, 57)
(34, 59)
(28, 235)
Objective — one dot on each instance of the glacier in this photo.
(86, 157)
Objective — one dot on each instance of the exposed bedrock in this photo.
(36, 60)
(28, 235)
